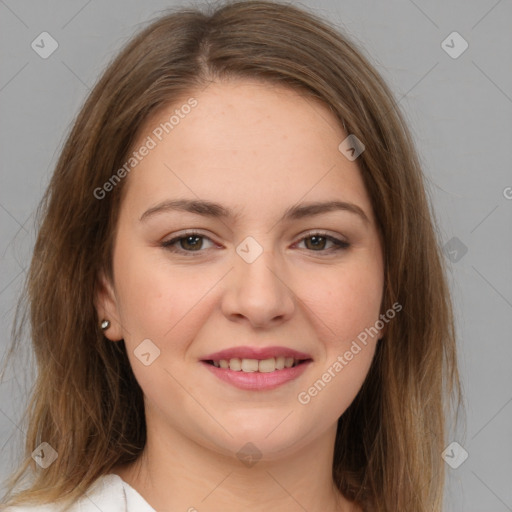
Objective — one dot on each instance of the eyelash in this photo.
(340, 245)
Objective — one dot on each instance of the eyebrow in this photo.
(216, 210)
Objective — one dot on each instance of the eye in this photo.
(193, 242)
(187, 242)
(319, 240)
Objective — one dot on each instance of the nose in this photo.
(258, 292)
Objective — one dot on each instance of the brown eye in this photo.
(317, 242)
(187, 243)
(191, 242)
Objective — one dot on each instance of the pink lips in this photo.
(255, 353)
(256, 381)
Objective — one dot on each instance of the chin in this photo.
(265, 444)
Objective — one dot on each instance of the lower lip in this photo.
(258, 381)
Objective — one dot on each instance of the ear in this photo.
(105, 302)
(383, 331)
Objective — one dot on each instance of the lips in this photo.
(259, 353)
(257, 368)
(262, 380)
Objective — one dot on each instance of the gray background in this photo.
(460, 113)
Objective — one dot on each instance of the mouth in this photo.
(268, 365)
(257, 368)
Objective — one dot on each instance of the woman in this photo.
(237, 297)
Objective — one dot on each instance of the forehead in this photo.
(245, 143)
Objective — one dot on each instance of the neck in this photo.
(175, 473)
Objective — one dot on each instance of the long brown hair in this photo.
(86, 402)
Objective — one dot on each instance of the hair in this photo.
(86, 402)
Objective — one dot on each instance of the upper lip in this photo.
(255, 353)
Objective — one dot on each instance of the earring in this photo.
(105, 324)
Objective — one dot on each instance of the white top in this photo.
(109, 493)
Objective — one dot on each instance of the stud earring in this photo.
(105, 324)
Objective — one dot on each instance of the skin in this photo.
(258, 150)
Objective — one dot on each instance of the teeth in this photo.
(256, 365)
(235, 364)
(267, 365)
(249, 365)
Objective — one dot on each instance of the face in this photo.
(248, 262)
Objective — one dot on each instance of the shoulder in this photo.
(50, 507)
(109, 493)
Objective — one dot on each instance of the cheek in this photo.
(166, 304)
(346, 301)
(333, 389)
(345, 308)
(153, 297)
(142, 295)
